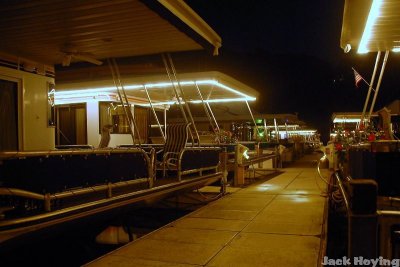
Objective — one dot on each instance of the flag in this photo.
(357, 77)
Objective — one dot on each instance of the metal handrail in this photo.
(108, 151)
(344, 194)
(47, 198)
(5, 191)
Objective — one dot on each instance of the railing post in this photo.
(238, 169)
(47, 202)
(109, 190)
(259, 152)
(363, 219)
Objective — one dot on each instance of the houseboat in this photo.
(364, 187)
(47, 183)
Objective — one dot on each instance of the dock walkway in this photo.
(274, 222)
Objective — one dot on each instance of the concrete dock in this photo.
(272, 222)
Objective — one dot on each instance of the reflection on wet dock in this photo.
(278, 221)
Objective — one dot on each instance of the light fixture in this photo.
(95, 92)
(372, 17)
(396, 49)
(241, 152)
(347, 48)
(346, 120)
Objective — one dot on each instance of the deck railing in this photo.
(51, 176)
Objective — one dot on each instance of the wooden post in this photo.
(259, 151)
(239, 175)
(238, 169)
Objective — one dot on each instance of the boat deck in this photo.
(279, 221)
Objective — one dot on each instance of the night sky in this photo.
(289, 51)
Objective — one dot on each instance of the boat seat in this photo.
(177, 137)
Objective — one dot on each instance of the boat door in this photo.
(142, 120)
(8, 115)
(71, 126)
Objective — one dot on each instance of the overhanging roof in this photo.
(47, 30)
(364, 33)
(214, 87)
(348, 117)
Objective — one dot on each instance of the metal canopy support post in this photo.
(266, 130)
(124, 99)
(370, 88)
(276, 131)
(206, 111)
(209, 108)
(165, 121)
(212, 114)
(176, 94)
(379, 83)
(154, 112)
(184, 99)
(252, 117)
(174, 89)
(287, 133)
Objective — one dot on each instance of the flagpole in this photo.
(379, 83)
(370, 88)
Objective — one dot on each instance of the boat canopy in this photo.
(57, 31)
(371, 26)
(348, 117)
(214, 87)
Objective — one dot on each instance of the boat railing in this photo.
(83, 175)
(198, 160)
(359, 199)
(47, 198)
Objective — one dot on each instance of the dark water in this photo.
(77, 246)
(337, 235)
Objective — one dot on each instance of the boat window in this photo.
(113, 113)
(50, 104)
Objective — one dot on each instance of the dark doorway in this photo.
(8, 115)
(71, 125)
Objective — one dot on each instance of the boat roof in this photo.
(58, 31)
(348, 117)
(371, 25)
(215, 87)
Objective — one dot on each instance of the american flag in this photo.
(357, 77)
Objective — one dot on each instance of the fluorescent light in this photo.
(373, 15)
(396, 49)
(346, 120)
(95, 92)
(223, 100)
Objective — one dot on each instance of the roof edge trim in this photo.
(179, 14)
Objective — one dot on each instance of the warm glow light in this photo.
(346, 120)
(285, 126)
(300, 132)
(266, 187)
(223, 100)
(95, 92)
(300, 198)
(85, 97)
(372, 17)
(396, 49)
(245, 155)
(162, 103)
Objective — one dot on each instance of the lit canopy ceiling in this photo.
(213, 86)
(371, 25)
(51, 31)
(348, 117)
